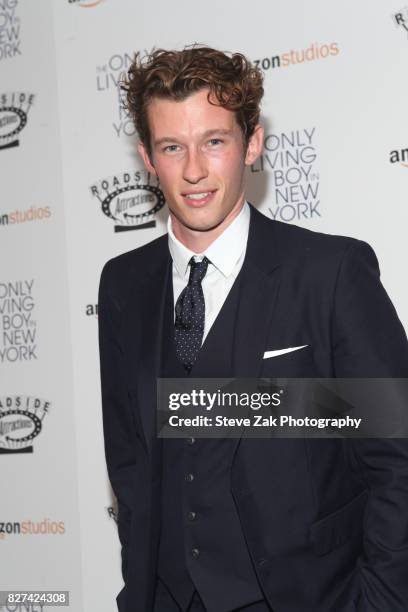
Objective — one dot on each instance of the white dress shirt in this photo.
(226, 255)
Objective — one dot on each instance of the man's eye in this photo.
(214, 141)
(171, 148)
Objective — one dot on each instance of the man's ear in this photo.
(255, 145)
(146, 158)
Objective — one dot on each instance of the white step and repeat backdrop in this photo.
(335, 160)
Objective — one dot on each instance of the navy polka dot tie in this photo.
(190, 315)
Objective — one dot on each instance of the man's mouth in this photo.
(198, 196)
(201, 197)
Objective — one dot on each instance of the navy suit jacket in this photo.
(326, 521)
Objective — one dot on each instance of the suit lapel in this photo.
(259, 290)
(151, 303)
(258, 294)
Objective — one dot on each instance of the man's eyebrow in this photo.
(160, 141)
(206, 134)
(221, 131)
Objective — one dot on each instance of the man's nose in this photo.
(195, 167)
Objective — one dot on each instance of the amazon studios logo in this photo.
(129, 199)
(9, 29)
(28, 527)
(18, 329)
(401, 19)
(399, 156)
(21, 420)
(14, 108)
(108, 78)
(291, 157)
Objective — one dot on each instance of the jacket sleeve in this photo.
(121, 448)
(369, 342)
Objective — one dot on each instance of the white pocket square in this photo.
(278, 352)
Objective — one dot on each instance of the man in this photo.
(242, 524)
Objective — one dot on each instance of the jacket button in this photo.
(191, 515)
(189, 477)
(195, 553)
(191, 441)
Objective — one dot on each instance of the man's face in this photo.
(199, 157)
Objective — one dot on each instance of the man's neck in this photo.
(199, 241)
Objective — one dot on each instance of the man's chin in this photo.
(196, 224)
(203, 226)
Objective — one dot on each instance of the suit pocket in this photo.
(335, 529)
(298, 363)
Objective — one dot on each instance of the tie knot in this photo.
(198, 270)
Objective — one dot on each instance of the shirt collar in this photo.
(223, 253)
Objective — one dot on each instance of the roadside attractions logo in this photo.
(399, 156)
(18, 329)
(290, 158)
(130, 199)
(9, 29)
(316, 51)
(21, 421)
(14, 109)
(401, 19)
(108, 78)
(112, 513)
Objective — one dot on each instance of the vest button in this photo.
(191, 441)
(189, 477)
(191, 516)
(195, 553)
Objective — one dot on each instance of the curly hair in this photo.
(233, 83)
